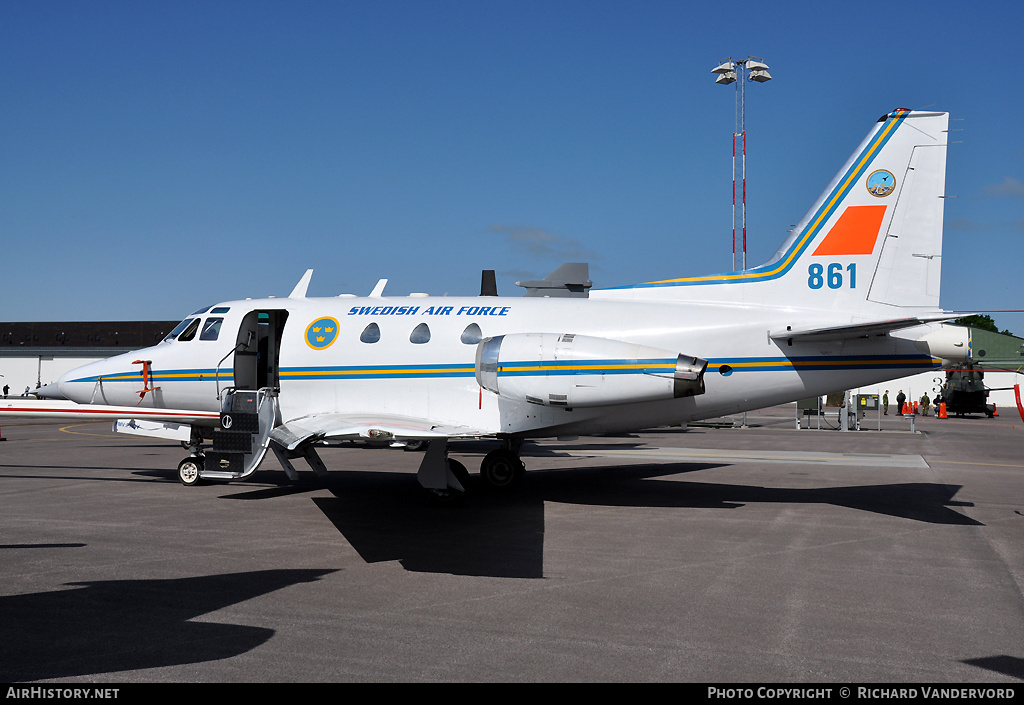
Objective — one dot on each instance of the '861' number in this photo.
(817, 277)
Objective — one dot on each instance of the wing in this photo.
(338, 427)
(858, 330)
(26, 408)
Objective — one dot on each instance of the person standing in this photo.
(885, 403)
(901, 398)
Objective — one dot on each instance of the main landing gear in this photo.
(447, 479)
(503, 469)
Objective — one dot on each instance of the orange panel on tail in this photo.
(854, 233)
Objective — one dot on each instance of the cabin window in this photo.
(420, 334)
(211, 329)
(472, 334)
(370, 334)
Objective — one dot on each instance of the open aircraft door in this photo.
(249, 407)
(258, 350)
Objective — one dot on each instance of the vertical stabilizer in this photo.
(872, 239)
(875, 235)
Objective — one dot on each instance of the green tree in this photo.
(982, 321)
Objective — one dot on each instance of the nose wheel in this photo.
(189, 470)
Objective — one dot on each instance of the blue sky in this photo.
(158, 157)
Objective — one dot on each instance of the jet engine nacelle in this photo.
(580, 371)
(948, 342)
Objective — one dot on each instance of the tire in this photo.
(189, 471)
(502, 470)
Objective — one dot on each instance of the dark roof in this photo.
(127, 335)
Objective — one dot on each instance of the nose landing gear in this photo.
(189, 470)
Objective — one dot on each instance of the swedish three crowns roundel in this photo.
(321, 333)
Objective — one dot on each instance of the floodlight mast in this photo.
(739, 72)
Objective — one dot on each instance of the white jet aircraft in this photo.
(850, 299)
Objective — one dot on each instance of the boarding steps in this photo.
(246, 420)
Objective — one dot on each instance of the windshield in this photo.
(185, 330)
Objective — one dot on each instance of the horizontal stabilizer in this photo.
(572, 279)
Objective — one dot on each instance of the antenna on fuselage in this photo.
(378, 290)
(488, 285)
(299, 292)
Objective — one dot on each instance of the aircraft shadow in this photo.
(386, 517)
(120, 625)
(1006, 665)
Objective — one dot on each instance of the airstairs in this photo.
(247, 418)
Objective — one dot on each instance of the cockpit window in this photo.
(221, 309)
(211, 329)
(201, 311)
(190, 330)
(180, 328)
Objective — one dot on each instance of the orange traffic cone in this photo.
(995, 411)
(942, 411)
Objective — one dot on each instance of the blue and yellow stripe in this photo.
(535, 368)
(439, 370)
(531, 368)
(186, 375)
(824, 362)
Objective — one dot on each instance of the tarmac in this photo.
(706, 554)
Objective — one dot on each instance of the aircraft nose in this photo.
(103, 381)
(67, 387)
(50, 391)
(79, 384)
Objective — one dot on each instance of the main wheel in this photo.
(502, 469)
(189, 470)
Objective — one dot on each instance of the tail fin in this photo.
(873, 237)
(876, 231)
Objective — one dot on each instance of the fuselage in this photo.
(417, 357)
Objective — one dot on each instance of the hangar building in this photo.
(35, 354)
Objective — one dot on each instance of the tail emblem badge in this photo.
(881, 183)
